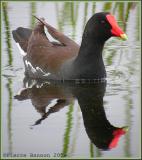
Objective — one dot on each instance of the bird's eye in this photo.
(103, 22)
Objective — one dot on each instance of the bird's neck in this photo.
(89, 62)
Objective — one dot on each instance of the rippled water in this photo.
(66, 127)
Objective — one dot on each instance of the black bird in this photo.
(67, 60)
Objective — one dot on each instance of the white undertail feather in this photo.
(21, 50)
(52, 103)
(20, 91)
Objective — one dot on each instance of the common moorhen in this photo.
(66, 60)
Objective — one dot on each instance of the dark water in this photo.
(76, 121)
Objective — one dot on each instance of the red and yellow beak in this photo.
(116, 30)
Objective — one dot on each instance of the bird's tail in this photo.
(21, 36)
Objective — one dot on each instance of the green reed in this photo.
(7, 31)
(33, 12)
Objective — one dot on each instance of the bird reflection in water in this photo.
(90, 98)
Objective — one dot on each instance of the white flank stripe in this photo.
(45, 74)
(34, 70)
(28, 64)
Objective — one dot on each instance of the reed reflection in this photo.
(90, 98)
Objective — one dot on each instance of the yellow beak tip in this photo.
(126, 128)
(124, 37)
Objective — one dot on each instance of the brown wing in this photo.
(48, 56)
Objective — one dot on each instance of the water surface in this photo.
(55, 120)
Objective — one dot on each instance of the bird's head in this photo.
(102, 26)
